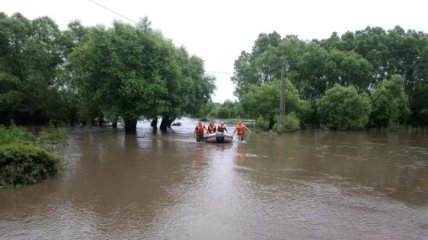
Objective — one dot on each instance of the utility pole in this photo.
(282, 101)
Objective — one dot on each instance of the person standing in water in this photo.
(222, 127)
(220, 132)
(200, 129)
(241, 129)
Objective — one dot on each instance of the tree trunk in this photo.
(281, 103)
(101, 120)
(114, 124)
(154, 124)
(166, 123)
(130, 126)
(72, 120)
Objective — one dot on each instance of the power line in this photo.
(112, 11)
(135, 22)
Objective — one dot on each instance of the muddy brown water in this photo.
(307, 185)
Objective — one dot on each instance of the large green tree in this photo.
(124, 71)
(133, 72)
(390, 104)
(344, 108)
(269, 54)
(263, 100)
(29, 56)
(391, 52)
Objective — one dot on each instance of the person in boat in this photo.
(220, 132)
(211, 128)
(222, 127)
(200, 129)
(241, 129)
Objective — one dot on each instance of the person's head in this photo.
(222, 123)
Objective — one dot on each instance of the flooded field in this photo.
(311, 184)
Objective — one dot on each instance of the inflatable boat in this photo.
(218, 137)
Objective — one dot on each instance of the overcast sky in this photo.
(217, 31)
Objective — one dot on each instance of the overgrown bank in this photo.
(27, 158)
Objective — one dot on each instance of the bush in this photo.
(25, 158)
(291, 122)
(22, 164)
(390, 104)
(262, 124)
(14, 135)
(52, 136)
(343, 108)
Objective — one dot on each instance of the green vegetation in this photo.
(95, 74)
(343, 108)
(291, 122)
(338, 79)
(261, 124)
(227, 109)
(15, 134)
(26, 158)
(98, 75)
(390, 103)
(264, 100)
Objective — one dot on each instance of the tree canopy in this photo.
(361, 59)
(128, 72)
(94, 74)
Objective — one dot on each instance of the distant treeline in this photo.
(95, 74)
(367, 78)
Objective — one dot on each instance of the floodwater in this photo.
(307, 185)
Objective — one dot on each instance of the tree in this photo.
(263, 101)
(229, 109)
(29, 55)
(132, 72)
(343, 108)
(121, 72)
(390, 104)
(270, 52)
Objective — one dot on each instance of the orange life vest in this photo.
(211, 128)
(200, 128)
(240, 128)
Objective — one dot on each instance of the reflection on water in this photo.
(305, 185)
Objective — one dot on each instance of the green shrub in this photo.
(14, 135)
(291, 122)
(344, 108)
(262, 124)
(52, 136)
(25, 158)
(390, 104)
(22, 164)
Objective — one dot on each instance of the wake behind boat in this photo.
(218, 137)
